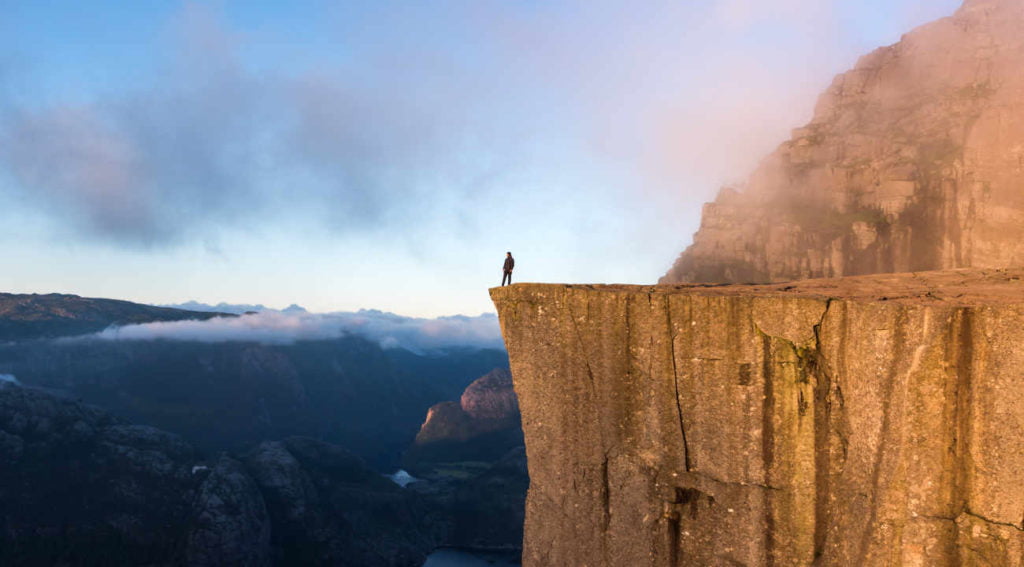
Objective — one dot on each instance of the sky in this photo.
(385, 155)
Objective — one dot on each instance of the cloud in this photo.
(423, 117)
(276, 327)
(147, 166)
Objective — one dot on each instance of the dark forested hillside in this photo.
(228, 396)
(33, 316)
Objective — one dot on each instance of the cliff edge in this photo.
(913, 160)
(873, 420)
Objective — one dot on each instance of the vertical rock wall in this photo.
(914, 160)
(769, 425)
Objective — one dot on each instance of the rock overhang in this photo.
(847, 419)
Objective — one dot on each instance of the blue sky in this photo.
(347, 155)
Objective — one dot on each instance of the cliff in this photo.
(874, 420)
(482, 425)
(913, 161)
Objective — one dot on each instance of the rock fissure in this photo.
(672, 335)
(822, 437)
(582, 346)
(1018, 527)
(968, 514)
(768, 442)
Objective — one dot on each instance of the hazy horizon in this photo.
(385, 155)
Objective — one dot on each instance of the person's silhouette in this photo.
(510, 263)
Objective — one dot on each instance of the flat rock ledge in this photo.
(872, 420)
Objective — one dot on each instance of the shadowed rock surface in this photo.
(35, 316)
(328, 508)
(229, 523)
(489, 510)
(471, 456)
(81, 487)
(874, 420)
(914, 160)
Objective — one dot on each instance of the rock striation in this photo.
(873, 420)
(914, 160)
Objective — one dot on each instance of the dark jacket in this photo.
(510, 263)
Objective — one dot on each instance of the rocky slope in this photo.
(914, 160)
(34, 316)
(81, 487)
(876, 420)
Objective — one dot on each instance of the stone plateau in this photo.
(873, 420)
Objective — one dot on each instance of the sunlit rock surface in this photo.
(874, 420)
(482, 425)
(914, 160)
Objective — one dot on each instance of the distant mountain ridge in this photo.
(235, 308)
(52, 315)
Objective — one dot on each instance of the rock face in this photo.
(328, 508)
(79, 487)
(875, 420)
(481, 426)
(914, 160)
(491, 398)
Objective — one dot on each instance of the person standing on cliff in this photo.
(510, 263)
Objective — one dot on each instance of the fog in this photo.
(277, 327)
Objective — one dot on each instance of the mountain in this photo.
(34, 316)
(914, 160)
(235, 308)
(233, 395)
(79, 486)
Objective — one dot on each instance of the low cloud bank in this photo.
(276, 327)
